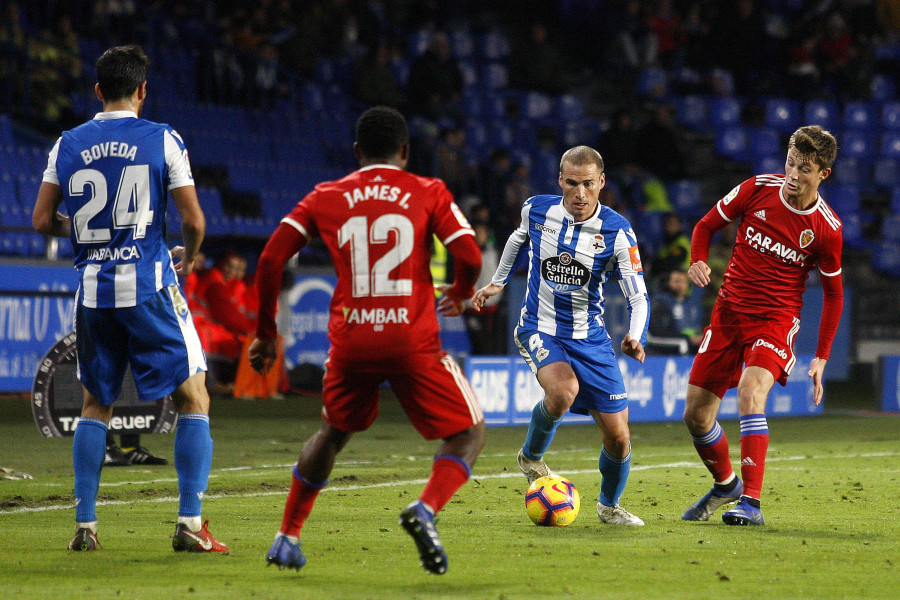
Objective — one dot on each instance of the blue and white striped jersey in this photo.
(568, 264)
(114, 173)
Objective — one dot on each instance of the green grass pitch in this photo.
(831, 502)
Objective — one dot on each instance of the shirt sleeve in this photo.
(726, 210)
(515, 248)
(50, 174)
(631, 270)
(177, 159)
(833, 294)
(284, 243)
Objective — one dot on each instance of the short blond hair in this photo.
(581, 155)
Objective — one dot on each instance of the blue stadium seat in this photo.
(462, 42)
(64, 248)
(28, 189)
(732, 142)
(890, 144)
(722, 81)
(844, 199)
(684, 195)
(858, 144)
(886, 257)
(822, 112)
(536, 105)
(692, 111)
(568, 107)
(7, 188)
(6, 136)
(890, 228)
(886, 173)
(494, 76)
(782, 114)
(418, 42)
(500, 134)
(768, 164)
(852, 231)
(653, 82)
(724, 112)
(764, 142)
(883, 88)
(849, 171)
(493, 46)
(470, 74)
(37, 244)
(890, 116)
(895, 201)
(860, 115)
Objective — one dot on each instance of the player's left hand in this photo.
(448, 305)
(817, 372)
(633, 348)
(262, 354)
(182, 268)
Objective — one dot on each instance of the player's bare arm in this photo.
(817, 372)
(193, 223)
(699, 273)
(633, 348)
(481, 296)
(45, 218)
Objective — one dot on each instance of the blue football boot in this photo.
(744, 513)
(285, 554)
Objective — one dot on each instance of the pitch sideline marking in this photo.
(367, 486)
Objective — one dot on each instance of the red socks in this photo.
(299, 504)
(448, 474)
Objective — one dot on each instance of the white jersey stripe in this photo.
(721, 212)
(297, 226)
(829, 215)
(790, 344)
(465, 388)
(89, 285)
(126, 285)
(195, 354)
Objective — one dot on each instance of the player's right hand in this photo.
(699, 273)
(262, 354)
(183, 268)
(484, 293)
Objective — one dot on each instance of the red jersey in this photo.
(377, 224)
(777, 246)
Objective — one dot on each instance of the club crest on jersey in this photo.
(598, 244)
(806, 237)
(564, 274)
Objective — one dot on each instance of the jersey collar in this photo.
(812, 207)
(115, 114)
(380, 166)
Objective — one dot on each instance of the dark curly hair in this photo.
(120, 70)
(380, 132)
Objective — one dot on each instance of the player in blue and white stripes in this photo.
(113, 174)
(574, 245)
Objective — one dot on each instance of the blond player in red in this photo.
(785, 230)
(378, 223)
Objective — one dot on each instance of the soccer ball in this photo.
(552, 501)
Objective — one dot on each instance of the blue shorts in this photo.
(157, 337)
(600, 383)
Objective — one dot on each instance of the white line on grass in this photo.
(369, 486)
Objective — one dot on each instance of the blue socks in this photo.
(88, 453)
(193, 460)
(615, 475)
(541, 430)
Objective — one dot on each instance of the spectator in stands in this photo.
(374, 81)
(493, 177)
(676, 317)
(658, 145)
(665, 23)
(451, 163)
(486, 327)
(618, 141)
(838, 58)
(435, 81)
(675, 251)
(636, 46)
(535, 63)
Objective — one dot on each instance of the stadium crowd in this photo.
(494, 93)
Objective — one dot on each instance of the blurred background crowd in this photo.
(684, 99)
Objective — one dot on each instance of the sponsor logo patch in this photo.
(564, 274)
(635, 258)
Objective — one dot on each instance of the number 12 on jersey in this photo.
(374, 280)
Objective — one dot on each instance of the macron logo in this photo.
(761, 214)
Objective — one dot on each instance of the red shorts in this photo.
(431, 387)
(735, 339)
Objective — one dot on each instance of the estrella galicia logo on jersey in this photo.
(564, 274)
(598, 244)
(806, 237)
